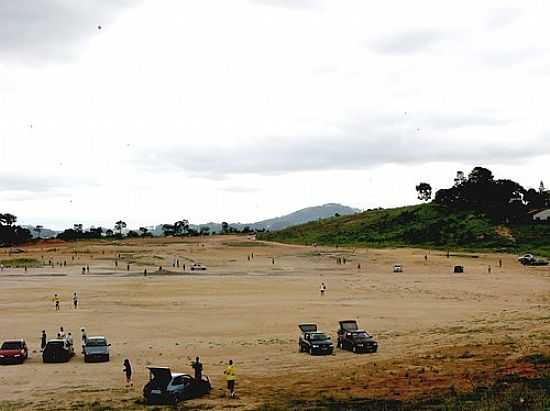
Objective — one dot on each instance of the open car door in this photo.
(349, 325)
(162, 375)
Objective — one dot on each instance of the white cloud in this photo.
(261, 107)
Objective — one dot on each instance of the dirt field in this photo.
(436, 329)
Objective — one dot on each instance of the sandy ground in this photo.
(430, 323)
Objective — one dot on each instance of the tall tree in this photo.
(78, 228)
(119, 226)
(424, 191)
(7, 219)
(181, 227)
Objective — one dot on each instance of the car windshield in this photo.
(319, 337)
(11, 345)
(96, 342)
(361, 334)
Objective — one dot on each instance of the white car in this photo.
(397, 268)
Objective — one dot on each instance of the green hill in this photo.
(426, 225)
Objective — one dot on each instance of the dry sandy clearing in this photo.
(432, 325)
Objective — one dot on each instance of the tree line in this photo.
(10, 233)
(502, 200)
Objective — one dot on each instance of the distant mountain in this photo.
(304, 215)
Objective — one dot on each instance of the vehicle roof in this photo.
(56, 340)
(12, 341)
(96, 337)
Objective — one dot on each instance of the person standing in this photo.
(61, 332)
(128, 372)
(83, 338)
(323, 288)
(43, 341)
(75, 300)
(231, 377)
(197, 366)
(56, 300)
(70, 340)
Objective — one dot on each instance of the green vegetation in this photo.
(476, 213)
(427, 225)
(21, 262)
(247, 244)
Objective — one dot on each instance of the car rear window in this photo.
(12, 345)
(96, 342)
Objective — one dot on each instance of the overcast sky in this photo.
(152, 111)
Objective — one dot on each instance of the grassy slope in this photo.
(421, 225)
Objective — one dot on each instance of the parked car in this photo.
(57, 350)
(13, 352)
(96, 349)
(314, 341)
(197, 267)
(530, 259)
(397, 268)
(167, 387)
(350, 337)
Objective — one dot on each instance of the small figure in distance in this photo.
(323, 288)
(56, 300)
(43, 341)
(197, 366)
(128, 372)
(83, 338)
(75, 300)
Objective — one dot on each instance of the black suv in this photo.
(313, 341)
(350, 337)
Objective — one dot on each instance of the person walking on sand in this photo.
(231, 377)
(56, 300)
(75, 300)
(128, 372)
(61, 332)
(323, 288)
(43, 341)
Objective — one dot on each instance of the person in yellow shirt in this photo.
(231, 377)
